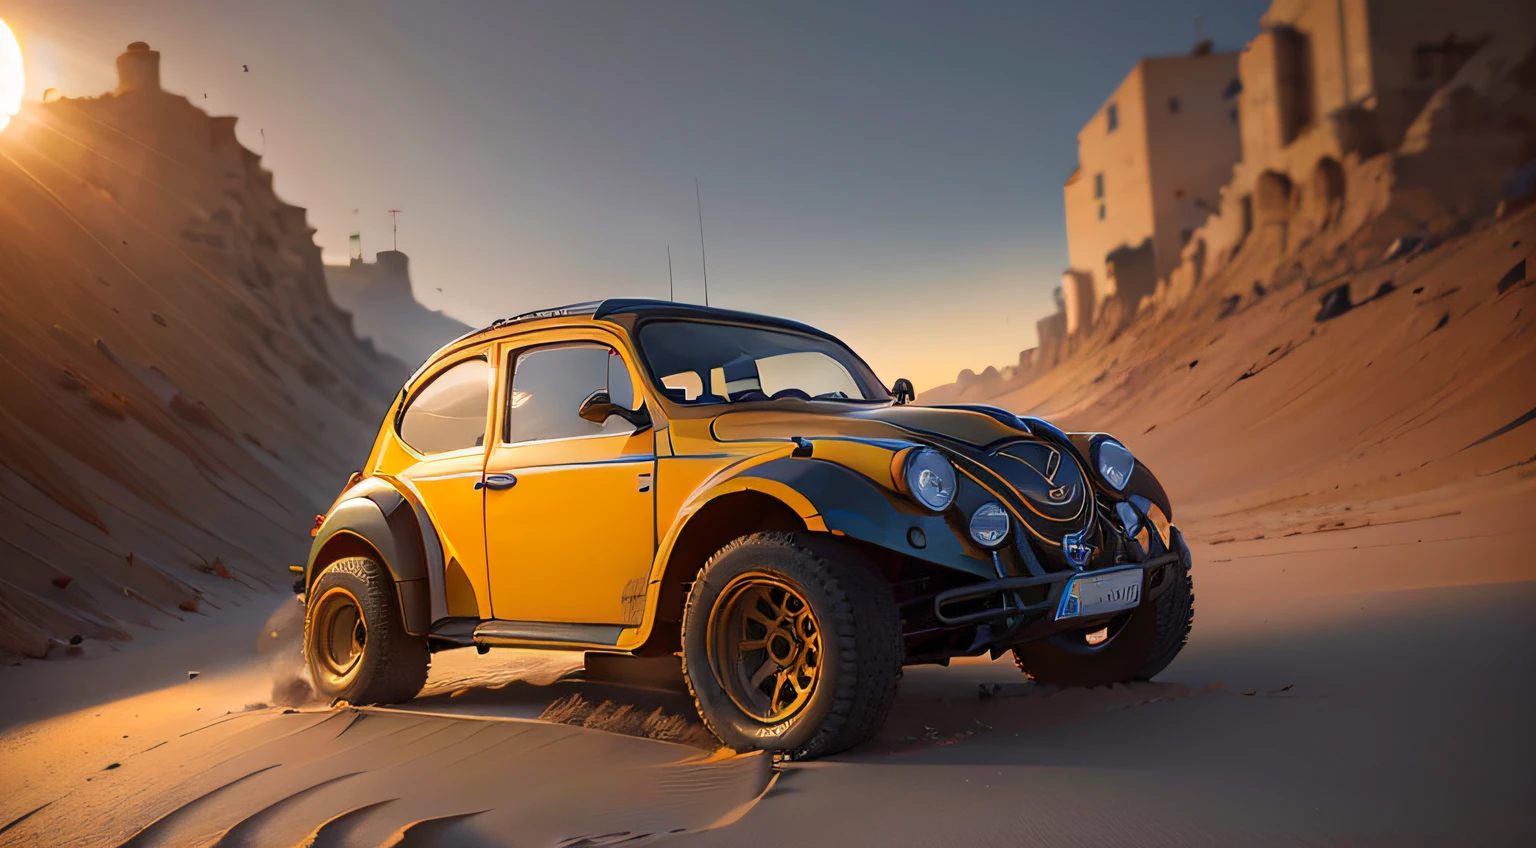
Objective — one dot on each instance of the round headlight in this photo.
(1115, 464)
(989, 525)
(930, 479)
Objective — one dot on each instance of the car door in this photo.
(443, 425)
(569, 505)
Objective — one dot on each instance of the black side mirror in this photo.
(597, 408)
(903, 392)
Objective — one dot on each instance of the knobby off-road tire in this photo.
(1145, 646)
(385, 665)
(857, 628)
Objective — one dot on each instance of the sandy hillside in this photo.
(181, 395)
(1264, 419)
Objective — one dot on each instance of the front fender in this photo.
(1143, 482)
(836, 499)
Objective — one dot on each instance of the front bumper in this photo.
(1003, 602)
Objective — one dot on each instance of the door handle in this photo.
(497, 482)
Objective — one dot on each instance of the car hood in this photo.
(969, 426)
(1026, 463)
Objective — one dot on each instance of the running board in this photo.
(544, 631)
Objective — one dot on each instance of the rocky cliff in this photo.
(181, 395)
(385, 310)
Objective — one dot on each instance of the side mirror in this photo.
(903, 392)
(597, 408)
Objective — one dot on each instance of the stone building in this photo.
(1330, 84)
(1151, 164)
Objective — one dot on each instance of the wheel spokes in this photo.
(766, 647)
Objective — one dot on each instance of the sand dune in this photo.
(181, 395)
(1269, 421)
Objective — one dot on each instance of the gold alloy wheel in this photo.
(340, 633)
(765, 646)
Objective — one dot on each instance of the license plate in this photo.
(1098, 594)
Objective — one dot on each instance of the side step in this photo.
(544, 631)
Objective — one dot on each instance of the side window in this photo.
(549, 384)
(449, 412)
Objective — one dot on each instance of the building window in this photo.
(1098, 186)
(1173, 105)
(1101, 211)
(1112, 117)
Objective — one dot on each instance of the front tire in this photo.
(355, 643)
(791, 643)
(1142, 646)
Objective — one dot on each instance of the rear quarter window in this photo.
(449, 412)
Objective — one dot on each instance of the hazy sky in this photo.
(889, 171)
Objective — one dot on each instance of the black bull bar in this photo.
(1004, 585)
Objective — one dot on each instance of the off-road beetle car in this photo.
(655, 479)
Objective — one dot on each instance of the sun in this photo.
(12, 78)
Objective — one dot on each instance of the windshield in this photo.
(698, 362)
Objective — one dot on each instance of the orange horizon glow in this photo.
(13, 79)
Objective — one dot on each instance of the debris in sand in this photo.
(192, 675)
(63, 580)
(76, 639)
(188, 606)
(1418, 290)
(1335, 302)
(1229, 306)
(628, 720)
(1387, 287)
(1444, 319)
(1401, 247)
(112, 766)
(1194, 362)
(1258, 290)
(1513, 277)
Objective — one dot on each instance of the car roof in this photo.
(639, 308)
(646, 308)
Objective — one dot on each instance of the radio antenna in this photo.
(703, 257)
(670, 295)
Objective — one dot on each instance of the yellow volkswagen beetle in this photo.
(652, 478)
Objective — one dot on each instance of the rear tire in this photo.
(355, 643)
(766, 609)
(1144, 646)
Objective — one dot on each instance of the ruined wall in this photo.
(1120, 156)
(1193, 142)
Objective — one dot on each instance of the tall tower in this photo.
(138, 69)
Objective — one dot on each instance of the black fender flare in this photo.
(395, 526)
(850, 504)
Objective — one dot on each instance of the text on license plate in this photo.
(1097, 594)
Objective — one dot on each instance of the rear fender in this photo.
(393, 524)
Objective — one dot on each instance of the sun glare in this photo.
(12, 78)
